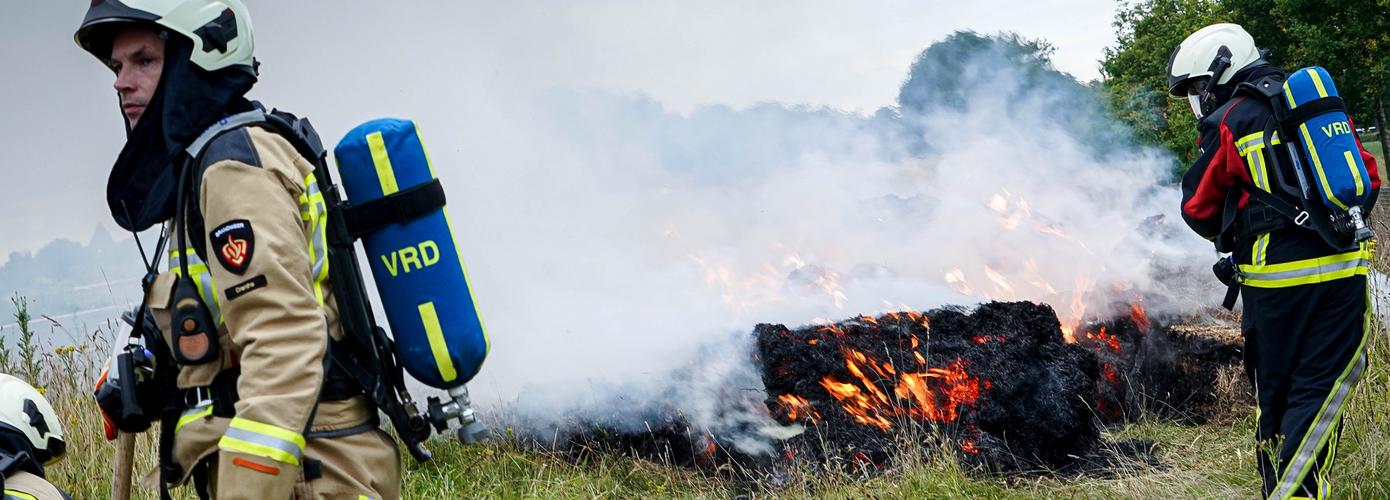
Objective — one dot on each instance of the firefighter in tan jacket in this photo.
(254, 229)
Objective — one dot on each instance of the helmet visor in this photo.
(1196, 102)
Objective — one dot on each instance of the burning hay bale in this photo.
(999, 383)
(1160, 370)
(1000, 386)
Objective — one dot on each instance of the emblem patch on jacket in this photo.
(234, 243)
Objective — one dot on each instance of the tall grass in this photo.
(1210, 461)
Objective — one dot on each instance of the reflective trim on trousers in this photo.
(1325, 423)
(1307, 271)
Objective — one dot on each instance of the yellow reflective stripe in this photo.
(193, 414)
(1262, 249)
(195, 269)
(384, 173)
(1254, 159)
(1255, 141)
(279, 455)
(268, 430)
(1355, 173)
(1322, 176)
(1263, 241)
(202, 279)
(1257, 173)
(1317, 82)
(1288, 95)
(1307, 271)
(314, 210)
(438, 347)
(1329, 415)
(19, 495)
(487, 341)
(262, 440)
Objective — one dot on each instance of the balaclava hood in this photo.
(140, 190)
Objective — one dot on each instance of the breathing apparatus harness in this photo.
(1268, 211)
(362, 362)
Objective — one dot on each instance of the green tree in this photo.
(1012, 76)
(1350, 38)
(1134, 69)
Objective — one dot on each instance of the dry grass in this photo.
(1210, 461)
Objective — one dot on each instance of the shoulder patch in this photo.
(234, 243)
(234, 145)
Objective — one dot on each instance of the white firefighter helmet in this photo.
(1220, 51)
(24, 411)
(220, 30)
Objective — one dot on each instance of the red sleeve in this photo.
(1215, 173)
(1368, 159)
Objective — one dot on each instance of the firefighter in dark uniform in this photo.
(1306, 307)
(258, 415)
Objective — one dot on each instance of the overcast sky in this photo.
(346, 61)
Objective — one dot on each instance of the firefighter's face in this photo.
(137, 58)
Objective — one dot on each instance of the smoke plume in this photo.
(621, 253)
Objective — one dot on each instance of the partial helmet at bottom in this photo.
(25, 413)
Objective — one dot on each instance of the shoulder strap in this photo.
(1267, 88)
(11, 463)
(298, 131)
(223, 126)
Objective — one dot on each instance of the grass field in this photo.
(1372, 144)
(1208, 461)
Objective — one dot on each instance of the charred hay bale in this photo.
(1037, 412)
(999, 382)
(1177, 375)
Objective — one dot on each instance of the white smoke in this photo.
(621, 253)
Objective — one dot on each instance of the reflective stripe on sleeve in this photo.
(314, 210)
(263, 440)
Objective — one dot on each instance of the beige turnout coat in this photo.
(266, 282)
(25, 486)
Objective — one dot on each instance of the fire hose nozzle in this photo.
(460, 408)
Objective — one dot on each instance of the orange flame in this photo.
(1078, 309)
(1109, 369)
(797, 408)
(936, 394)
(1141, 320)
(968, 446)
(1109, 339)
(1000, 282)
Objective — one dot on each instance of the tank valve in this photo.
(470, 431)
(1362, 231)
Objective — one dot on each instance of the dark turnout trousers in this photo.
(1305, 348)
